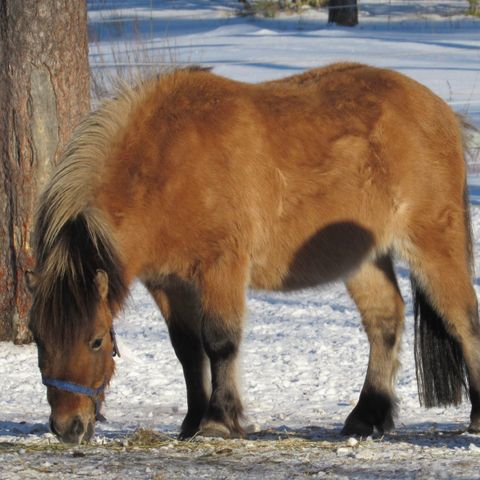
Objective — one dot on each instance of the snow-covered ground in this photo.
(304, 353)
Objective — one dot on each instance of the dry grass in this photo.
(135, 56)
(144, 439)
(270, 8)
(125, 64)
(474, 7)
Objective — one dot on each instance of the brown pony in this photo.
(201, 186)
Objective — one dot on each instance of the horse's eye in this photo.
(96, 344)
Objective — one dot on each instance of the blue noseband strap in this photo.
(71, 387)
(93, 393)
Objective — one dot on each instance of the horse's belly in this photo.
(331, 254)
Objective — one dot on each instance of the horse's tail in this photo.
(440, 366)
(441, 371)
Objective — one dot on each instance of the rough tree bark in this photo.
(44, 92)
(343, 12)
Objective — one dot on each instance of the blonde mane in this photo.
(71, 239)
(71, 187)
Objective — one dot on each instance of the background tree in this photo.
(44, 92)
(474, 7)
(343, 12)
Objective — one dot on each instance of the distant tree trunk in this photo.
(44, 92)
(343, 12)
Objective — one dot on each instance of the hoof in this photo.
(355, 426)
(474, 428)
(373, 410)
(190, 425)
(186, 434)
(215, 430)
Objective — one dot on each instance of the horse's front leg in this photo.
(223, 302)
(179, 304)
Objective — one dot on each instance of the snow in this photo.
(304, 354)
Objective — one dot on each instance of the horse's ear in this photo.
(31, 281)
(101, 282)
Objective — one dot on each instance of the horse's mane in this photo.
(71, 238)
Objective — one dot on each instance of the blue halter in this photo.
(93, 393)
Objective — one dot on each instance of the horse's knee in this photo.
(221, 341)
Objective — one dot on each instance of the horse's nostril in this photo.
(77, 428)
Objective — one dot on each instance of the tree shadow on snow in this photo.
(20, 429)
(442, 435)
(311, 433)
(425, 434)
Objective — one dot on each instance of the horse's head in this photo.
(75, 369)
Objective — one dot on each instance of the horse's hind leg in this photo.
(375, 291)
(180, 307)
(447, 325)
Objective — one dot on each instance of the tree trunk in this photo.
(343, 12)
(44, 92)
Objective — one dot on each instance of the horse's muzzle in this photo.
(76, 431)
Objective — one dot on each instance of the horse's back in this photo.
(330, 164)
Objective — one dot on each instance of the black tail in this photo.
(441, 371)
